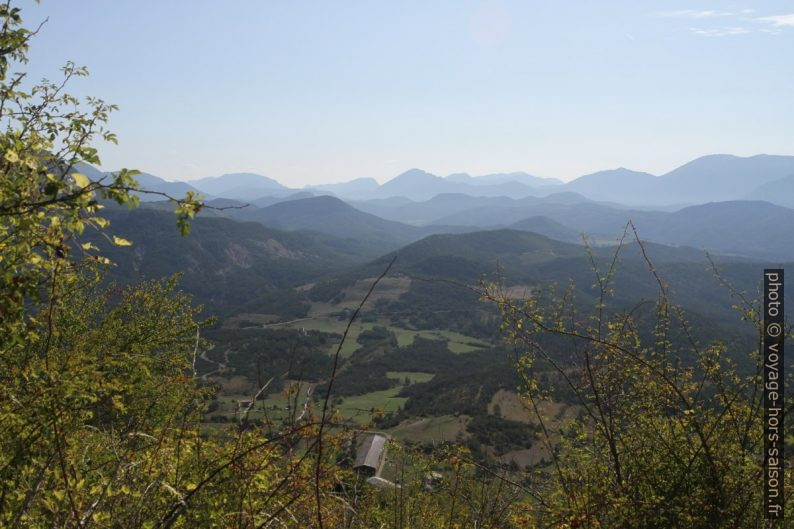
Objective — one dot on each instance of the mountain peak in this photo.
(237, 185)
(246, 179)
(414, 174)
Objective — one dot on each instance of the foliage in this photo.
(97, 403)
(661, 442)
(46, 203)
(279, 353)
(502, 435)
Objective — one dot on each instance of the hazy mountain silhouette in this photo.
(498, 178)
(749, 228)
(415, 184)
(720, 177)
(329, 215)
(439, 208)
(617, 185)
(418, 185)
(712, 178)
(780, 192)
(548, 228)
(146, 181)
(358, 188)
(155, 183)
(245, 186)
(752, 229)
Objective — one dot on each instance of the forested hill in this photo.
(226, 264)
(535, 261)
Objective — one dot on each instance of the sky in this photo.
(312, 92)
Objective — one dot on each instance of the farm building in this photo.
(371, 454)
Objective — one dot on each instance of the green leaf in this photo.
(81, 180)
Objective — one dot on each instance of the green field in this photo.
(431, 429)
(334, 326)
(415, 377)
(275, 405)
(457, 342)
(360, 407)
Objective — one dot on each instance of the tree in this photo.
(45, 201)
(85, 375)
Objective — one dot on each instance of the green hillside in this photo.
(230, 266)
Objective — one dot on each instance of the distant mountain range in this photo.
(448, 205)
(420, 185)
(707, 179)
(751, 229)
(726, 204)
(332, 216)
(746, 228)
(712, 178)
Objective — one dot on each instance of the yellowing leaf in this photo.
(118, 241)
(81, 180)
(11, 157)
(88, 246)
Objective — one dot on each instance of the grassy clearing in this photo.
(415, 377)
(275, 406)
(228, 406)
(457, 342)
(431, 429)
(556, 416)
(360, 407)
(389, 288)
(334, 326)
(246, 319)
(510, 406)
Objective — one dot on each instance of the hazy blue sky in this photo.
(310, 92)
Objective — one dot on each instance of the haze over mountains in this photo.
(722, 203)
(710, 178)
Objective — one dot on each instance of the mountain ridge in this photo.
(709, 178)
